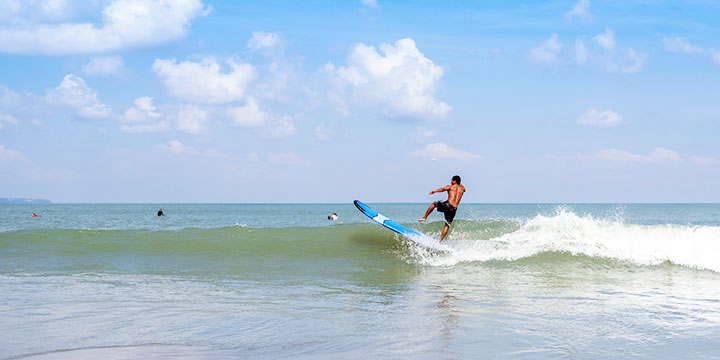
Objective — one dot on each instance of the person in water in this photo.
(334, 216)
(448, 207)
(161, 213)
(35, 215)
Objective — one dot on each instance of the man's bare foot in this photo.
(422, 219)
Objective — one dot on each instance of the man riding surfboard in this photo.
(448, 207)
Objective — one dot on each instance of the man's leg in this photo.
(445, 231)
(429, 210)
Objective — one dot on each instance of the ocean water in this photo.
(530, 281)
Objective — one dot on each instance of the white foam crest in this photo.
(431, 243)
(424, 248)
(692, 246)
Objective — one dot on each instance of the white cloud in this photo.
(422, 133)
(658, 155)
(581, 10)
(287, 158)
(125, 24)
(401, 81)
(580, 52)
(281, 81)
(56, 8)
(143, 117)
(606, 40)
(438, 150)
(74, 92)
(18, 166)
(145, 104)
(7, 119)
(104, 66)
(249, 115)
(263, 40)
(9, 155)
(281, 127)
(323, 132)
(681, 45)
(625, 61)
(708, 161)
(600, 118)
(9, 8)
(547, 51)
(18, 12)
(145, 127)
(8, 98)
(176, 147)
(191, 119)
(615, 59)
(15, 164)
(678, 44)
(204, 81)
(97, 111)
(606, 55)
(370, 3)
(16, 106)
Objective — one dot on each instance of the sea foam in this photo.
(691, 246)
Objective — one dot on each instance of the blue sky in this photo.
(325, 101)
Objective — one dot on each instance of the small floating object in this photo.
(35, 215)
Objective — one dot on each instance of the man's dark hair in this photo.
(456, 178)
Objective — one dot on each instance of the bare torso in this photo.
(455, 194)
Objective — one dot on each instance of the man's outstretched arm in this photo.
(445, 188)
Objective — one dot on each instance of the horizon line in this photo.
(349, 203)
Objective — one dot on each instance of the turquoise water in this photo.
(281, 281)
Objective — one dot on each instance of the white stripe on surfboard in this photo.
(380, 218)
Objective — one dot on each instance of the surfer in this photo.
(35, 215)
(160, 213)
(333, 217)
(448, 207)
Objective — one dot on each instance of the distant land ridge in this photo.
(23, 201)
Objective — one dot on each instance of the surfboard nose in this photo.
(357, 205)
(365, 209)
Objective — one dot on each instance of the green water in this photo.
(280, 281)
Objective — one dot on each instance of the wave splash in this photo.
(567, 232)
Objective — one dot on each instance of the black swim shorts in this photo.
(446, 208)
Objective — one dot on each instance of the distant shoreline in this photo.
(23, 201)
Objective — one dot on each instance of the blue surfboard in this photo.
(384, 221)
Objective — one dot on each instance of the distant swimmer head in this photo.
(456, 179)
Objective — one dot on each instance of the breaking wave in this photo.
(567, 232)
